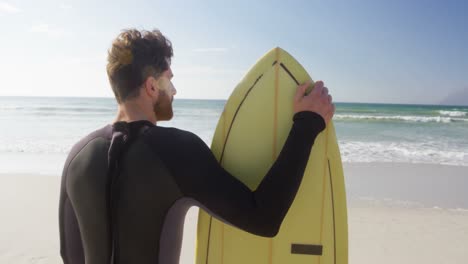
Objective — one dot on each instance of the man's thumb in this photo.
(301, 90)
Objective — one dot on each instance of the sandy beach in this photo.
(382, 229)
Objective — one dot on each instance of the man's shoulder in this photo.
(169, 133)
(103, 133)
(170, 141)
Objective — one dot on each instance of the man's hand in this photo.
(318, 100)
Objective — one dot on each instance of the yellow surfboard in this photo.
(250, 134)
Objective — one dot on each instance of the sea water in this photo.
(36, 133)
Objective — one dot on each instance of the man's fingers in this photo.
(318, 87)
(328, 116)
(325, 91)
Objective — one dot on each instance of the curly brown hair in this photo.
(135, 56)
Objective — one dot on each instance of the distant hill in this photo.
(458, 98)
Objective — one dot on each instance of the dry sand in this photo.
(379, 232)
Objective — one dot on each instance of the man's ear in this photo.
(151, 87)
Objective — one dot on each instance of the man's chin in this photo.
(165, 117)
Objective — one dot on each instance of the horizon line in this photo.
(225, 99)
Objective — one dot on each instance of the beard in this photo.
(163, 107)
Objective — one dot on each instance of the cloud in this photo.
(65, 6)
(211, 50)
(49, 30)
(7, 8)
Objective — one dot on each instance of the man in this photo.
(127, 186)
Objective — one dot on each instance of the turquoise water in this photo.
(403, 133)
(37, 132)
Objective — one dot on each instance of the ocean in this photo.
(38, 132)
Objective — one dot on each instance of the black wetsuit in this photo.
(127, 187)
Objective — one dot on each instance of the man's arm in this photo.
(71, 248)
(261, 212)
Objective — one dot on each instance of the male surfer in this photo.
(127, 186)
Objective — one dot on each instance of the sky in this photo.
(365, 51)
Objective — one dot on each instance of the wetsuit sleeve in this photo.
(71, 248)
(261, 212)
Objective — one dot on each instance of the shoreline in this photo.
(412, 185)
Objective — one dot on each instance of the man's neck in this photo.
(133, 111)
